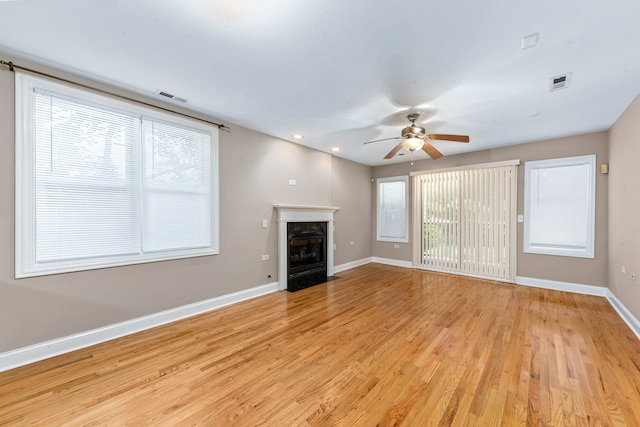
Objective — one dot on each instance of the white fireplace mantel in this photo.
(302, 213)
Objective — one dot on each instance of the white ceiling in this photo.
(340, 71)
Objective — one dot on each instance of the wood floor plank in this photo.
(380, 345)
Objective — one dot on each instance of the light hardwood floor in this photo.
(379, 346)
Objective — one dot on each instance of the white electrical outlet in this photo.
(265, 257)
(396, 246)
(265, 222)
(623, 270)
(633, 276)
(292, 182)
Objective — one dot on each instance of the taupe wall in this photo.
(254, 174)
(351, 191)
(564, 269)
(624, 207)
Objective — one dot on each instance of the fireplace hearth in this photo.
(306, 254)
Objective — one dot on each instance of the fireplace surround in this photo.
(295, 214)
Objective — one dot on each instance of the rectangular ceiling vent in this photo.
(170, 96)
(559, 82)
(530, 41)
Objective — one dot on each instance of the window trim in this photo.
(25, 221)
(529, 167)
(379, 210)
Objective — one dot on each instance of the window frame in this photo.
(380, 210)
(25, 182)
(551, 249)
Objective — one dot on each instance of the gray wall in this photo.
(564, 269)
(624, 207)
(351, 191)
(254, 175)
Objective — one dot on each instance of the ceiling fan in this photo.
(416, 137)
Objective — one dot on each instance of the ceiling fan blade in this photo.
(385, 139)
(431, 150)
(457, 138)
(393, 152)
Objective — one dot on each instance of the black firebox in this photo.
(306, 254)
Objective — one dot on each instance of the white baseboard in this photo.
(562, 286)
(34, 353)
(394, 262)
(350, 265)
(624, 312)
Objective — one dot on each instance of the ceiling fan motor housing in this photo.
(413, 132)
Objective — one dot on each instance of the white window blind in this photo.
(465, 221)
(84, 201)
(393, 213)
(177, 187)
(101, 182)
(559, 206)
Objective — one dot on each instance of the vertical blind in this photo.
(465, 221)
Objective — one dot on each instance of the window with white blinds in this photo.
(465, 221)
(101, 182)
(393, 213)
(559, 206)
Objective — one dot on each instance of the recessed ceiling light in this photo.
(297, 136)
(335, 148)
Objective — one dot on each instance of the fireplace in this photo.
(306, 254)
(307, 263)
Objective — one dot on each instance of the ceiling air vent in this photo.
(170, 96)
(559, 82)
(530, 41)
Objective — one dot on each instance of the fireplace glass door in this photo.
(306, 254)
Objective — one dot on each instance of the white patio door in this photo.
(465, 220)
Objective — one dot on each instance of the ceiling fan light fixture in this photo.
(415, 137)
(412, 143)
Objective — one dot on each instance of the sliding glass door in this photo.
(464, 220)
